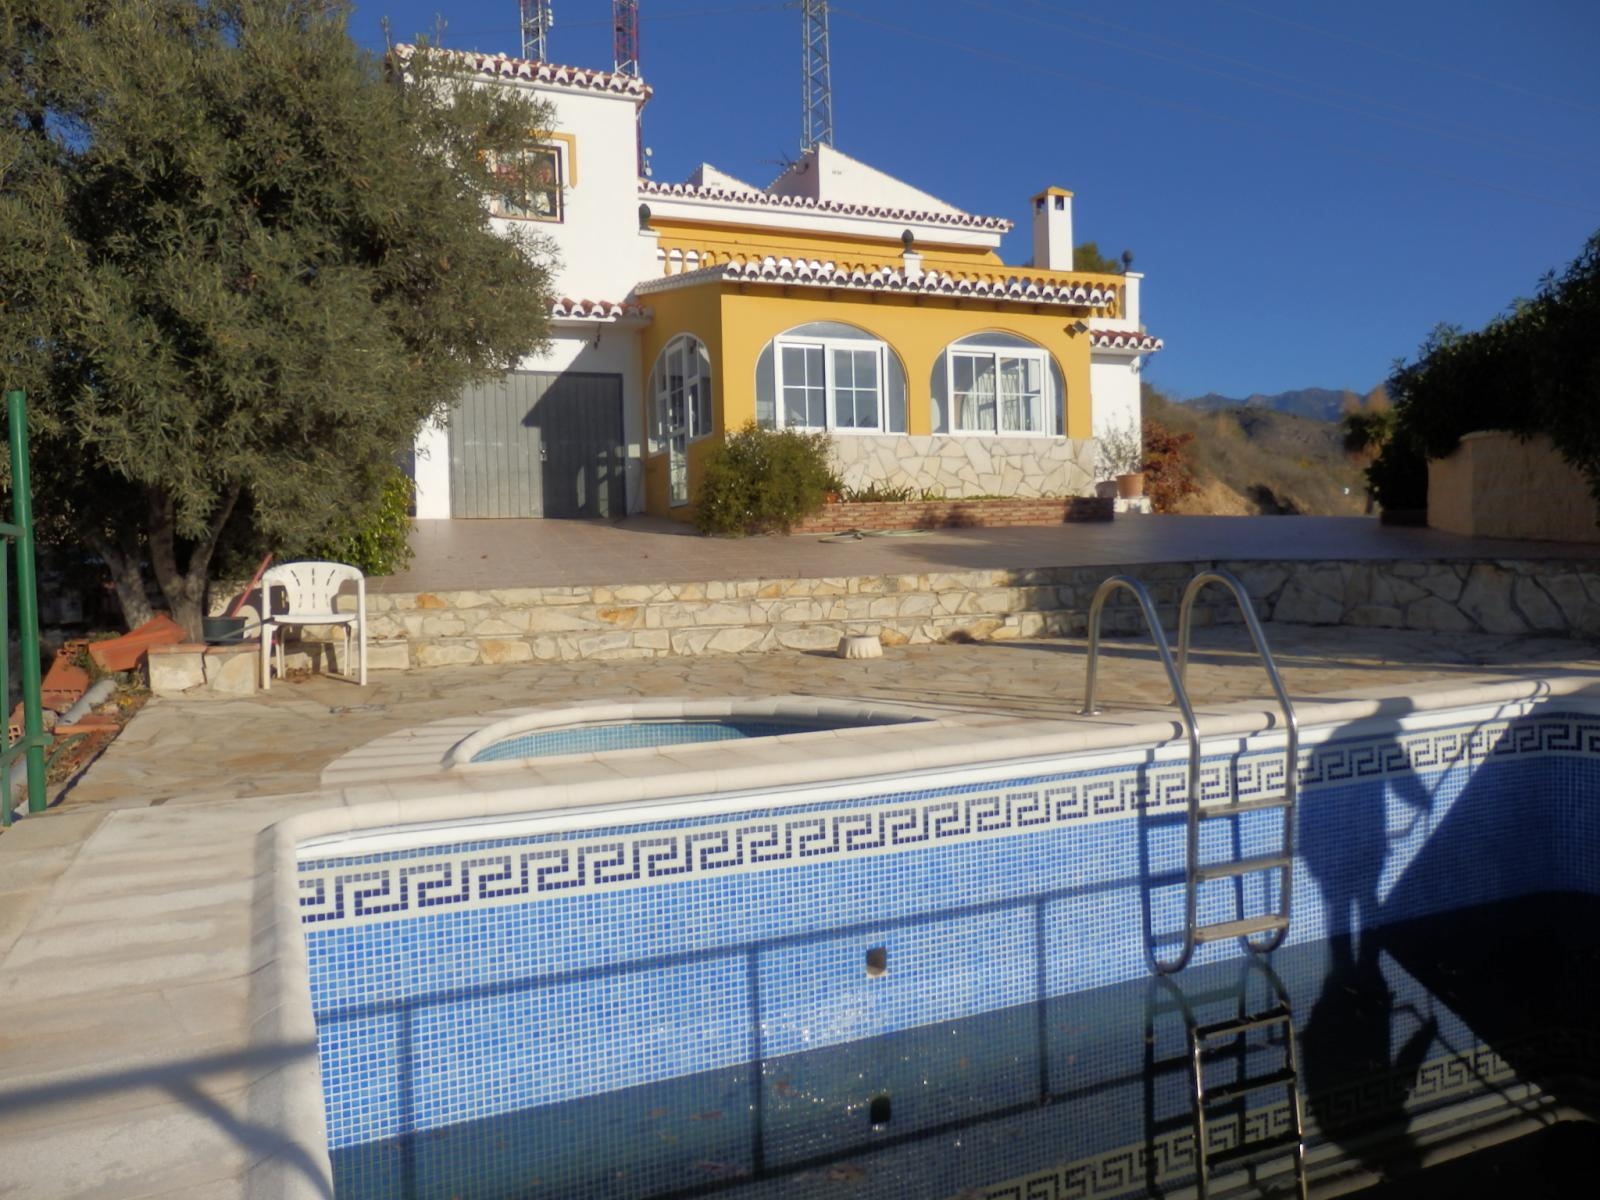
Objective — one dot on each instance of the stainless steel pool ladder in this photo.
(1262, 932)
(1208, 1043)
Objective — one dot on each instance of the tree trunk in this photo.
(127, 576)
(184, 588)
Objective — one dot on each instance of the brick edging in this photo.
(957, 514)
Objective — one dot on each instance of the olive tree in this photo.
(242, 260)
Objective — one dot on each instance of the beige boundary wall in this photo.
(568, 624)
(1496, 485)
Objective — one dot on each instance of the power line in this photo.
(1379, 48)
(1183, 106)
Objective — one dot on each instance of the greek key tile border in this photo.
(1169, 1157)
(336, 893)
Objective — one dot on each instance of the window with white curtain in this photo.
(996, 384)
(828, 375)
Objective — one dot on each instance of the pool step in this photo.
(1241, 866)
(1278, 1143)
(1277, 1015)
(1243, 1087)
(1234, 808)
(1247, 927)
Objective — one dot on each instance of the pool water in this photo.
(636, 735)
(1416, 1029)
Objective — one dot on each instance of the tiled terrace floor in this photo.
(472, 555)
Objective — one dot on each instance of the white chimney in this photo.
(1130, 297)
(1052, 230)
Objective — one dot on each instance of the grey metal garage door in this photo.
(538, 444)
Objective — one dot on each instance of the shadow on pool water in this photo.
(1417, 1035)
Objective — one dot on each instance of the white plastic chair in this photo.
(311, 589)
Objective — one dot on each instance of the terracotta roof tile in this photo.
(688, 191)
(815, 273)
(595, 310)
(1129, 341)
(502, 66)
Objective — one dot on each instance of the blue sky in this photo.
(1309, 188)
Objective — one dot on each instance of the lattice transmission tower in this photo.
(816, 125)
(536, 21)
(625, 61)
(625, 37)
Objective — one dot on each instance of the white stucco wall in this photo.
(600, 256)
(596, 240)
(599, 348)
(1114, 378)
(1114, 387)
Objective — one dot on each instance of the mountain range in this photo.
(1320, 404)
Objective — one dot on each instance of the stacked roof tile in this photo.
(815, 273)
(502, 66)
(595, 310)
(688, 191)
(1130, 340)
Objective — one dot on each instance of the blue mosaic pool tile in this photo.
(433, 1017)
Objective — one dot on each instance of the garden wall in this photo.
(957, 514)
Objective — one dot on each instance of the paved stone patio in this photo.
(474, 555)
(281, 741)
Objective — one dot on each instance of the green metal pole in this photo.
(5, 682)
(27, 598)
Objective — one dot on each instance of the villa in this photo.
(836, 298)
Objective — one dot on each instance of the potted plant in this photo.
(1120, 456)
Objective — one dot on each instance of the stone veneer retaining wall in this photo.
(967, 466)
(654, 620)
(957, 514)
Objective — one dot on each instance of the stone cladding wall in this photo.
(957, 514)
(967, 466)
(731, 617)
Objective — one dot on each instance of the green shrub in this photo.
(878, 493)
(375, 539)
(763, 481)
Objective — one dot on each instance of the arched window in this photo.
(997, 384)
(680, 392)
(828, 375)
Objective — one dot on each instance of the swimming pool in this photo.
(477, 983)
(642, 725)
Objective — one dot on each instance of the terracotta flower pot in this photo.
(1130, 486)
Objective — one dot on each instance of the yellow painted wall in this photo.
(917, 331)
(729, 241)
(695, 310)
(732, 241)
(736, 325)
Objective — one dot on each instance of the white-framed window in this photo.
(997, 384)
(680, 391)
(828, 375)
(529, 185)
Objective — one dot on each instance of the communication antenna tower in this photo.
(625, 42)
(625, 61)
(536, 22)
(816, 126)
